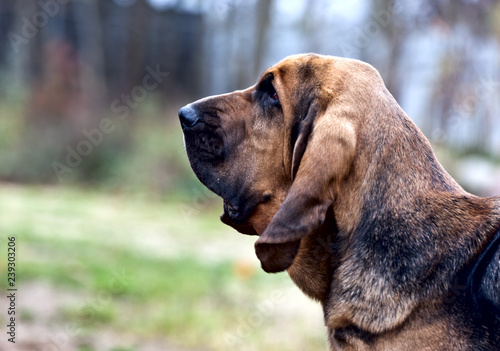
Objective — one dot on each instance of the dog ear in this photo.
(322, 156)
(304, 129)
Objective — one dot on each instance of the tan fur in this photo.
(352, 202)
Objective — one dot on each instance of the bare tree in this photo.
(263, 20)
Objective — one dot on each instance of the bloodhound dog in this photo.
(346, 195)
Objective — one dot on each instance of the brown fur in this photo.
(347, 196)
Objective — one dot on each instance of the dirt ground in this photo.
(42, 329)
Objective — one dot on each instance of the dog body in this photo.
(345, 193)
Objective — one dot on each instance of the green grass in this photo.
(152, 269)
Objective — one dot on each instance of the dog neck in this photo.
(415, 230)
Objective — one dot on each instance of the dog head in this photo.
(283, 151)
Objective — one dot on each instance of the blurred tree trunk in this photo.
(114, 19)
(233, 66)
(394, 31)
(443, 96)
(311, 24)
(138, 17)
(264, 8)
(89, 36)
(7, 16)
(462, 96)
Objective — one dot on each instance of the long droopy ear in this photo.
(322, 157)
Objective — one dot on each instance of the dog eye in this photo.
(267, 90)
(272, 92)
(275, 96)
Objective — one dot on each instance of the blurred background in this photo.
(119, 248)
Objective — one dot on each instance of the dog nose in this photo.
(188, 116)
